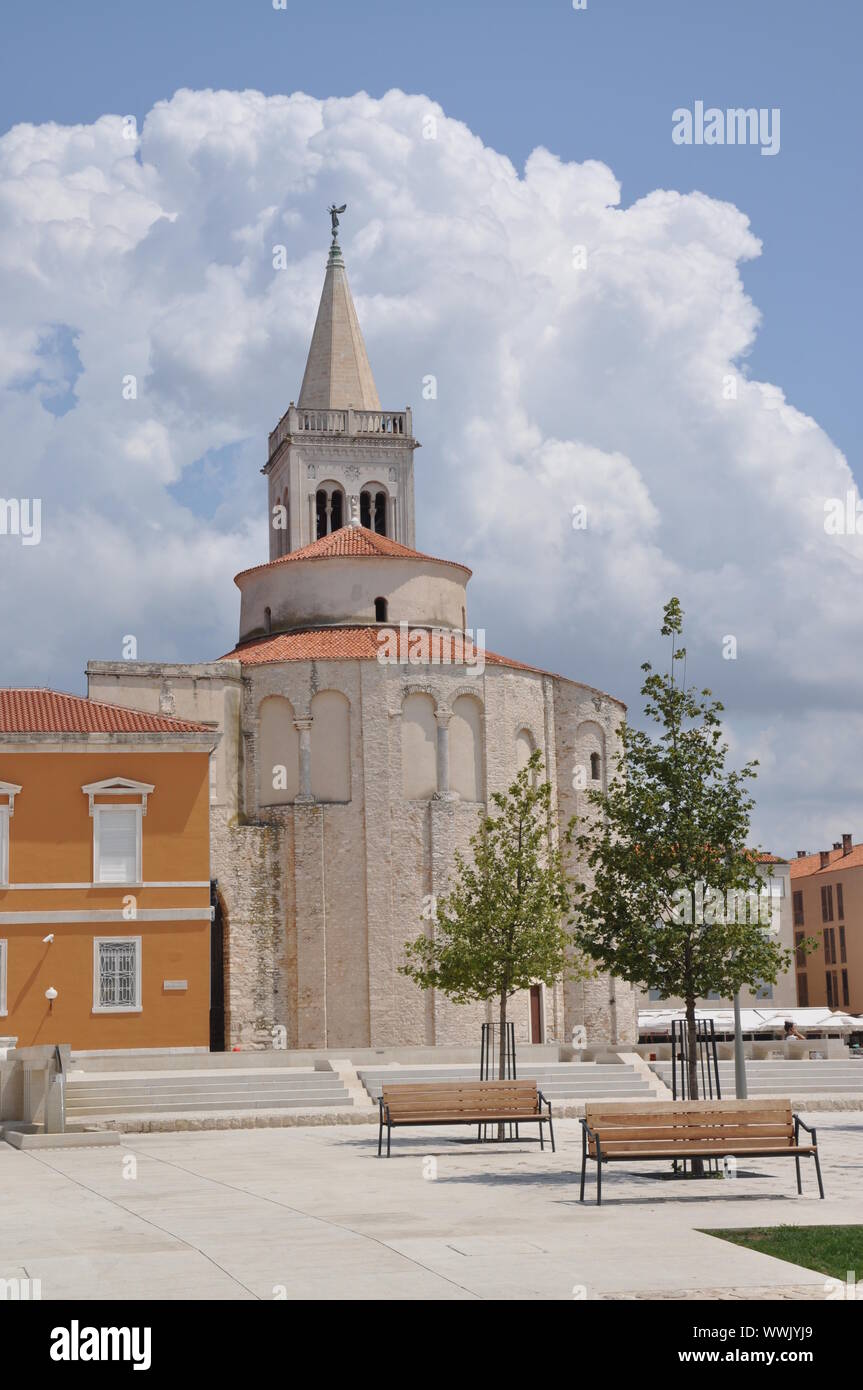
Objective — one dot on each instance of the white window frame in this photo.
(5, 818)
(4, 962)
(98, 813)
(99, 1008)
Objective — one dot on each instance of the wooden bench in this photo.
(463, 1103)
(687, 1129)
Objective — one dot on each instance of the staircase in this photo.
(115, 1095)
(830, 1077)
(559, 1081)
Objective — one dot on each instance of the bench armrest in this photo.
(587, 1134)
(810, 1129)
(543, 1101)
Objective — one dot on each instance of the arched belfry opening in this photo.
(373, 509)
(329, 510)
(381, 610)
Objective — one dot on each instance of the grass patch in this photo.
(832, 1250)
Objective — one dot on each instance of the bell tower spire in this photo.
(337, 456)
(338, 375)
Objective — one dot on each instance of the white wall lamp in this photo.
(50, 995)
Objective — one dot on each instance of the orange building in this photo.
(104, 874)
(827, 904)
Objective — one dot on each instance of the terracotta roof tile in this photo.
(807, 864)
(354, 542)
(40, 711)
(360, 644)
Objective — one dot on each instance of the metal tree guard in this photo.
(489, 1063)
(707, 1061)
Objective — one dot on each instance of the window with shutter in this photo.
(118, 844)
(4, 846)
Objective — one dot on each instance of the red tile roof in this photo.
(360, 644)
(40, 711)
(354, 542)
(811, 863)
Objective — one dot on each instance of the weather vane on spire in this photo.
(334, 214)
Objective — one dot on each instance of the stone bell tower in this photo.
(336, 457)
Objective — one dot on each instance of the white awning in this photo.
(819, 1020)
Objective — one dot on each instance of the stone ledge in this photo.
(20, 1139)
(237, 1119)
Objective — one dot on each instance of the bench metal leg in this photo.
(541, 1136)
(818, 1171)
(583, 1163)
(380, 1133)
(797, 1166)
(551, 1131)
(599, 1182)
(389, 1136)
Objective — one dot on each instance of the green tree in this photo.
(503, 925)
(676, 902)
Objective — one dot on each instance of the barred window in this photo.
(118, 973)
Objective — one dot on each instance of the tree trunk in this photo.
(692, 1069)
(501, 1056)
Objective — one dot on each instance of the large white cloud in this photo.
(582, 353)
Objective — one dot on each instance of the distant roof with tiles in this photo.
(807, 864)
(28, 710)
(363, 644)
(354, 542)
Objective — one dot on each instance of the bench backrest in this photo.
(631, 1128)
(430, 1098)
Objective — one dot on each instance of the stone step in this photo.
(567, 1081)
(155, 1099)
(564, 1071)
(793, 1073)
(196, 1101)
(216, 1082)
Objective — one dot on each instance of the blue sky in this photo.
(599, 83)
(557, 387)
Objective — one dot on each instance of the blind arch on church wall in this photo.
(466, 759)
(278, 748)
(525, 745)
(419, 747)
(331, 746)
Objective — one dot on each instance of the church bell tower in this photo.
(337, 458)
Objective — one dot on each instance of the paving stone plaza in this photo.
(310, 1212)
